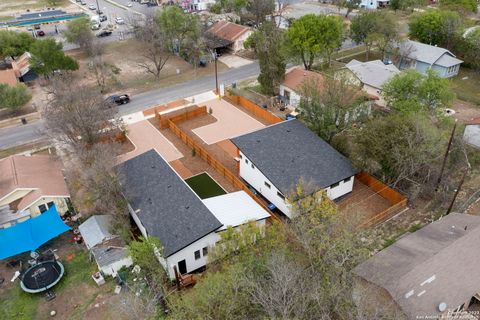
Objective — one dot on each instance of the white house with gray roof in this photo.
(422, 57)
(273, 160)
(431, 271)
(164, 206)
(371, 76)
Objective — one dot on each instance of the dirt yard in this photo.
(77, 295)
(125, 57)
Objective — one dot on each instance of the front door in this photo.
(182, 267)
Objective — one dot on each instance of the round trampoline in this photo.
(42, 276)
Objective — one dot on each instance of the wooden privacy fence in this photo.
(396, 199)
(214, 163)
(252, 107)
(180, 115)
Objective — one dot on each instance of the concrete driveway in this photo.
(233, 61)
(231, 122)
(145, 137)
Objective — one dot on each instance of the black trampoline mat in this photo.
(42, 275)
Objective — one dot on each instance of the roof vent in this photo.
(442, 307)
(187, 207)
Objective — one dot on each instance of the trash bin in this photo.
(234, 85)
(24, 121)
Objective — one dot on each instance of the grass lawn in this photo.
(23, 148)
(467, 89)
(204, 186)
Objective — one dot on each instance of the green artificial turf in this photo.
(204, 186)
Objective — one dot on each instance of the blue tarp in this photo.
(31, 234)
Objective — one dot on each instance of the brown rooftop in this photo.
(295, 78)
(40, 173)
(227, 30)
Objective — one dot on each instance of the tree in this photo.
(313, 35)
(325, 111)
(180, 29)
(14, 97)
(13, 44)
(145, 252)
(472, 49)
(463, 6)
(79, 32)
(258, 10)
(436, 27)
(156, 45)
(350, 5)
(48, 56)
(53, 3)
(267, 43)
(411, 92)
(76, 115)
(374, 28)
(398, 146)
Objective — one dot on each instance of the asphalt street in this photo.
(30, 132)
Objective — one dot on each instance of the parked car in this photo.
(129, 4)
(104, 33)
(103, 18)
(91, 7)
(40, 33)
(119, 20)
(117, 99)
(36, 26)
(83, 2)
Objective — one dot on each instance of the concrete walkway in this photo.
(145, 137)
(231, 122)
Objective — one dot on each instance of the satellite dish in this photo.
(442, 307)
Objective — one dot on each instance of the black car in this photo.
(103, 18)
(104, 33)
(117, 99)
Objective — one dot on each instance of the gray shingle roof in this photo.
(438, 263)
(288, 151)
(373, 73)
(96, 229)
(426, 53)
(168, 208)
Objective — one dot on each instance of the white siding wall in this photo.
(238, 44)
(188, 254)
(256, 179)
(115, 266)
(294, 97)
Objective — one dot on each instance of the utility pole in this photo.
(458, 191)
(446, 155)
(216, 73)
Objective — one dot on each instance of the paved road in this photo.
(19, 135)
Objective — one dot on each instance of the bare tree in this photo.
(102, 70)
(77, 115)
(94, 180)
(155, 45)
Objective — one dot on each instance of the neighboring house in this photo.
(8, 77)
(430, 272)
(164, 206)
(471, 135)
(371, 76)
(196, 5)
(273, 160)
(374, 4)
(292, 84)
(22, 68)
(29, 186)
(422, 57)
(227, 36)
(109, 250)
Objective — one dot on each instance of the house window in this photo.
(348, 179)
(42, 208)
(267, 185)
(281, 196)
(334, 185)
(197, 254)
(50, 204)
(205, 251)
(240, 156)
(246, 161)
(253, 167)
